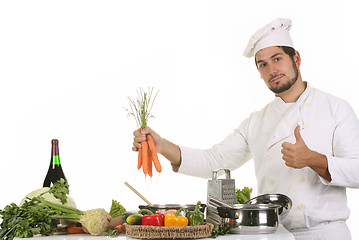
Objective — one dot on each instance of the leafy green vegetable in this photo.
(116, 209)
(58, 193)
(60, 189)
(45, 194)
(95, 221)
(24, 221)
(36, 214)
(243, 195)
(31, 218)
(220, 230)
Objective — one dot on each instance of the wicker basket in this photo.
(152, 232)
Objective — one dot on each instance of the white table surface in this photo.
(280, 234)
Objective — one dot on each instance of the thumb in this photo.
(156, 136)
(297, 135)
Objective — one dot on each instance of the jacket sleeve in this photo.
(231, 153)
(344, 163)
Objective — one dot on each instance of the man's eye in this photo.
(277, 59)
(262, 65)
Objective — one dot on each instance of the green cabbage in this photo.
(48, 197)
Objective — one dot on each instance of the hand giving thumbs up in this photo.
(297, 155)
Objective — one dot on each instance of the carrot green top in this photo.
(141, 107)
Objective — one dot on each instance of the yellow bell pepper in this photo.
(174, 220)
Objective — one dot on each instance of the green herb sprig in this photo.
(60, 189)
(220, 230)
(140, 108)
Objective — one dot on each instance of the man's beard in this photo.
(286, 85)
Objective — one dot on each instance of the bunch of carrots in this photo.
(141, 110)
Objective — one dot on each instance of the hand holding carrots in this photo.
(141, 135)
(140, 110)
(147, 153)
(166, 148)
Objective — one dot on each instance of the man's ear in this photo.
(297, 59)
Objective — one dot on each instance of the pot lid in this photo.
(284, 201)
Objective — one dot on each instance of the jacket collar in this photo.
(285, 127)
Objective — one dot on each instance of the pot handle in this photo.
(215, 173)
(218, 203)
(224, 212)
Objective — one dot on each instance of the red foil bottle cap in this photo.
(55, 147)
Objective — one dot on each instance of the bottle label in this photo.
(56, 159)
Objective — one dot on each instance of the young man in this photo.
(304, 143)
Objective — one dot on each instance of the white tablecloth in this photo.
(280, 234)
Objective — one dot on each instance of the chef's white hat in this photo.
(275, 33)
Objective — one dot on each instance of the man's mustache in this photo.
(277, 75)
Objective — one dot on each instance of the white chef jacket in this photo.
(328, 126)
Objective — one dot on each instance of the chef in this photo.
(305, 143)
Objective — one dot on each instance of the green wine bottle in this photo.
(55, 171)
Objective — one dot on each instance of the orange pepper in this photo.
(174, 220)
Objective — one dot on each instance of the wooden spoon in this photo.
(139, 194)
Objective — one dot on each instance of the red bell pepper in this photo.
(152, 219)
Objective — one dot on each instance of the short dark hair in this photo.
(289, 50)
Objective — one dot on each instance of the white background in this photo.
(67, 68)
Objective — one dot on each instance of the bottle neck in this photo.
(55, 157)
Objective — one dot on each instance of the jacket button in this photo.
(268, 158)
(265, 133)
(303, 179)
(271, 181)
(301, 206)
(308, 104)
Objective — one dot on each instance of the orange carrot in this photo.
(153, 152)
(150, 164)
(73, 230)
(119, 228)
(145, 157)
(139, 163)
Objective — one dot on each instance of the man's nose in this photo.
(272, 69)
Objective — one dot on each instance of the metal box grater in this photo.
(221, 189)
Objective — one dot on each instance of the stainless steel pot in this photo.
(281, 199)
(248, 218)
